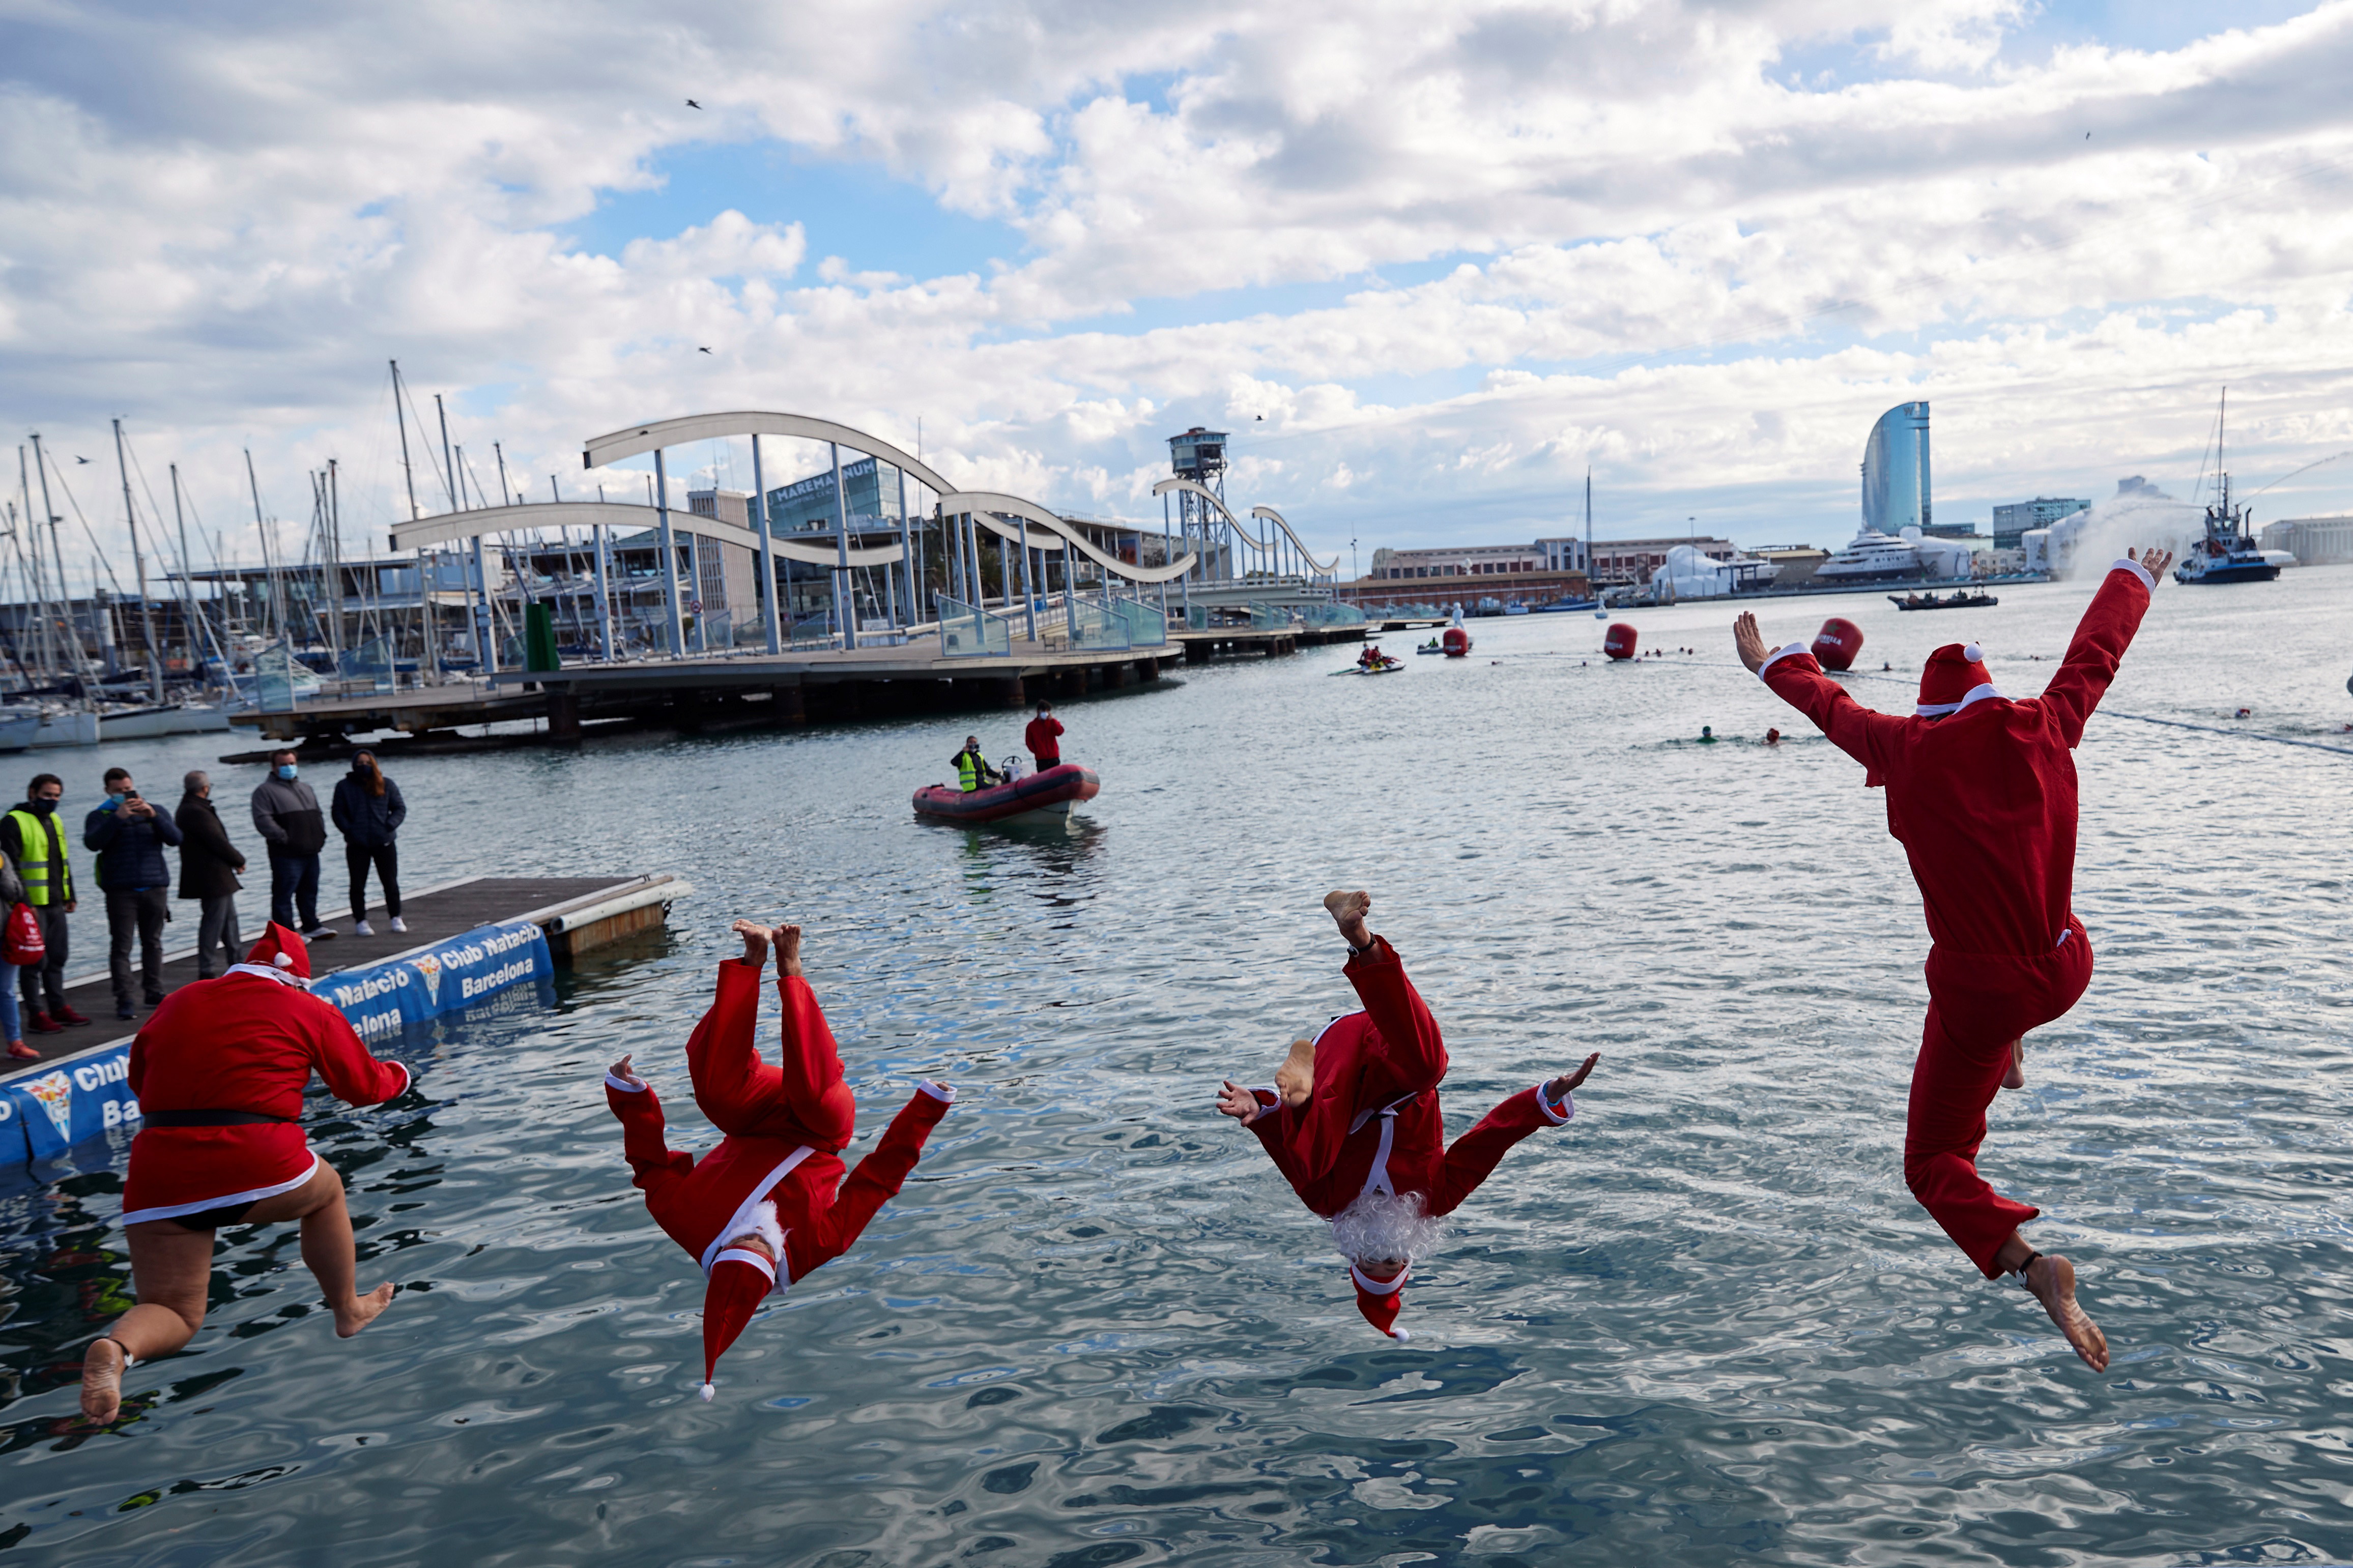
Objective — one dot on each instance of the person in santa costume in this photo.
(769, 1204)
(1981, 793)
(220, 1071)
(1352, 1121)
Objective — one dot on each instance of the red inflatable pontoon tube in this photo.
(1055, 790)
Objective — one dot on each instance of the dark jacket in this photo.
(365, 818)
(287, 814)
(130, 849)
(208, 861)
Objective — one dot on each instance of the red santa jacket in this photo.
(1984, 799)
(242, 1043)
(1388, 1058)
(704, 1204)
(1044, 739)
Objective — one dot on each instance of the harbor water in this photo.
(1704, 1322)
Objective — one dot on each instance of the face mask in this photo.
(287, 771)
(42, 807)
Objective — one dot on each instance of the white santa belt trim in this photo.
(1372, 1287)
(173, 1211)
(1977, 693)
(746, 1217)
(745, 1255)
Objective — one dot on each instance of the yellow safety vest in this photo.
(34, 874)
(968, 770)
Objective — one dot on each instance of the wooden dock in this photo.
(578, 913)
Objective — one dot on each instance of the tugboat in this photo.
(1958, 599)
(2228, 553)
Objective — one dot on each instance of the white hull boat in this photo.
(67, 727)
(18, 729)
(169, 719)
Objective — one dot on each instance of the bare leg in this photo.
(2014, 1077)
(171, 1269)
(332, 1258)
(1348, 911)
(2051, 1279)
(756, 938)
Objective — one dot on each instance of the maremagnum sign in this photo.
(43, 1113)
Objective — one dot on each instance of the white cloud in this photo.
(1639, 245)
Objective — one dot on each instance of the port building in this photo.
(2312, 541)
(2013, 522)
(1614, 561)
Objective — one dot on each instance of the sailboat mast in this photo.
(68, 636)
(269, 556)
(424, 652)
(38, 577)
(139, 564)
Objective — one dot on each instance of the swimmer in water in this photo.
(1707, 734)
(1772, 737)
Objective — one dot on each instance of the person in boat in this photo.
(1981, 793)
(219, 1070)
(1352, 1121)
(771, 1201)
(973, 771)
(1043, 737)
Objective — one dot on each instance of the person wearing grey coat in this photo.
(285, 814)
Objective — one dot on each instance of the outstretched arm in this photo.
(2100, 638)
(875, 1182)
(1473, 1157)
(630, 1098)
(1797, 678)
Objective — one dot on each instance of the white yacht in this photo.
(1876, 557)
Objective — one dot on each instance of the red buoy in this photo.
(1619, 641)
(1456, 643)
(1837, 643)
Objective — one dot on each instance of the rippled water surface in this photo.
(1703, 1324)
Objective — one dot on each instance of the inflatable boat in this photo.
(1032, 798)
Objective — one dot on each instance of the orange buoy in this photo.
(1837, 643)
(1618, 642)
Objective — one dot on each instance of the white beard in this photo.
(1382, 1226)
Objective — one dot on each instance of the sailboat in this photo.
(2228, 553)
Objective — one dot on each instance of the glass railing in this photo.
(1270, 617)
(371, 661)
(967, 631)
(811, 631)
(1329, 615)
(273, 679)
(1095, 625)
(1146, 626)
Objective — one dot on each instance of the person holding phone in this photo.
(129, 835)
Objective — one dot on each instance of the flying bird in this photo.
(702, 350)
(81, 460)
(1258, 415)
(691, 104)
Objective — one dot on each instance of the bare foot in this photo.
(2014, 1075)
(789, 949)
(1295, 1079)
(756, 938)
(362, 1311)
(2052, 1280)
(102, 1365)
(1349, 911)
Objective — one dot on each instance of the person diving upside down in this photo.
(1981, 793)
(1352, 1121)
(769, 1204)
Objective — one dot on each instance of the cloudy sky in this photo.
(1428, 261)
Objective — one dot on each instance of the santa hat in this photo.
(1379, 1300)
(1954, 676)
(740, 1281)
(280, 954)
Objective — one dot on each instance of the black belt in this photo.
(214, 1119)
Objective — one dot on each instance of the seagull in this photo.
(81, 460)
(702, 350)
(1258, 415)
(691, 104)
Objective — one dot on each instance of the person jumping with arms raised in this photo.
(1353, 1122)
(769, 1204)
(1981, 793)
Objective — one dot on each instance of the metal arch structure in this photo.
(658, 434)
(453, 526)
(1235, 552)
(988, 506)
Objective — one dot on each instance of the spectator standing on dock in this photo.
(130, 836)
(1044, 738)
(1352, 1121)
(209, 868)
(12, 893)
(286, 812)
(35, 844)
(770, 1203)
(973, 771)
(368, 812)
(1981, 793)
(220, 1071)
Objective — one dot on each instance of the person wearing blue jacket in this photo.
(129, 835)
(368, 812)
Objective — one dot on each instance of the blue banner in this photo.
(385, 999)
(44, 1113)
